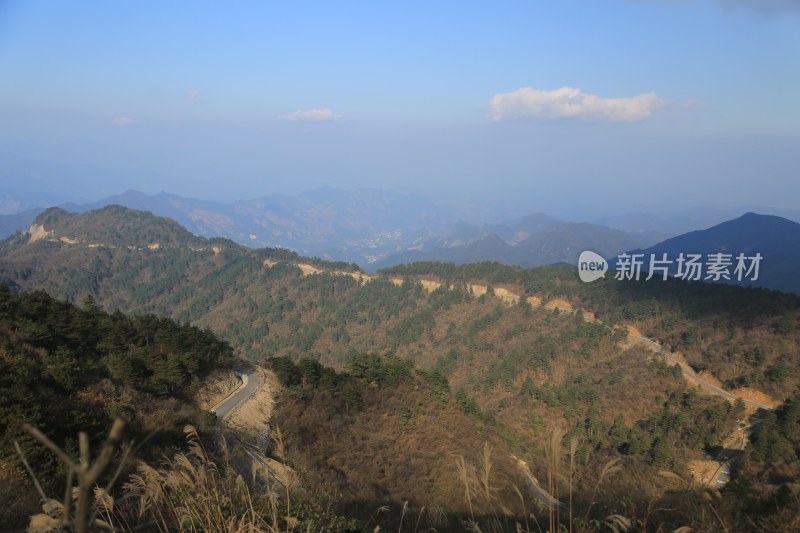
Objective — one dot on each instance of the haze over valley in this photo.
(270, 267)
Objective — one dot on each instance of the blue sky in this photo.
(555, 106)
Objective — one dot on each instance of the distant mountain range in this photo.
(651, 228)
(18, 221)
(376, 229)
(529, 241)
(776, 239)
(369, 227)
(359, 226)
(556, 242)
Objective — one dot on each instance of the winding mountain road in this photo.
(252, 379)
(690, 373)
(511, 296)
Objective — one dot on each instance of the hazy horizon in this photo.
(574, 109)
(473, 211)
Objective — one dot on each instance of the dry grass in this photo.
(481, 492)
(18, 497)
(484, 500)
(553, 456)
(193, 492)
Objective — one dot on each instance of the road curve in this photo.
(689, 372)
(511, 296)
(252, 379)
(686, 369)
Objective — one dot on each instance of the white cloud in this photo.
(122, 121)
(193, 94)
(569, 102)
(313, 115)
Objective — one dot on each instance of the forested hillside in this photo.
(747, 337)
(65, 369)
(479, 348)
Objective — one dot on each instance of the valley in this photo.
(418, 267)
(444, 360)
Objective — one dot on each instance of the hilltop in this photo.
(110, 226)
(776, 239)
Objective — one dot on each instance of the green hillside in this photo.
(65, 369)
(492, 367)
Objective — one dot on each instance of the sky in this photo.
(564, 107)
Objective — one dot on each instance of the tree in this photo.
(659, 454)
(63, 367)
(311, 370)
(778, 373)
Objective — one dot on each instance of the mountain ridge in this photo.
(363, 226)
(557, 243)
(502, 352)
(775, 238)
(376, 229)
